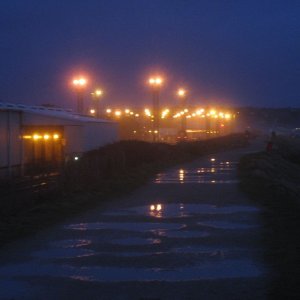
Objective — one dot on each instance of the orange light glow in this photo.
(80, 82)
(164, 113)
(157, 207)
(147, 112)
(181, 175)
(200, 111)
(98, 93)
(155, 81)
(181, 92)
(37, 136)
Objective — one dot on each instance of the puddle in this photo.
(137, 241)
(227, 225)
(63, 253)
(196, 180)
(220, 269)
(216, 269)
(72, 243)
(183, 249)
(9, 289)
(186, 234)
(220, 173)
(172, 210)
(140, 227)
(127, 254)
(212, 250)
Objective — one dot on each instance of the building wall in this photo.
(32, 119)
(10, 142)
(73, 136)
(78, 135)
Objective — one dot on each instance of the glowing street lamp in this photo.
(96, 96)
(80, 85)
(155, 84)
(181, 93)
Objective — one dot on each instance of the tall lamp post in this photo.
(97, 94)
(181, 93)
(155, 83)
(79, 85)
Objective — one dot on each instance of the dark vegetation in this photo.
(95, 178)
(273, 180)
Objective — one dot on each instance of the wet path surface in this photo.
(189, 234)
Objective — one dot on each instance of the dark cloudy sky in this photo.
(226, 51)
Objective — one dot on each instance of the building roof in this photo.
(54, 112)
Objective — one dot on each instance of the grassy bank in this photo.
(95, 178)
(273, 180)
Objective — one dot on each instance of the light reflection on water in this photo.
(134, 226)
(71, 243)
(227, 225)
(137, 241)
(185, 234)
(147, 232)
(218, 172)
(181, 175)
(211, 269)
(63, 253)
(156, 210)
(182, 210)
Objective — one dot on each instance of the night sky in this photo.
(224, 51)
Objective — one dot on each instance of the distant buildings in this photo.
(34, 136)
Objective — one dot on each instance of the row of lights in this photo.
(46, 136)
(155, 82)
(201, 113)
(81, 82)
(164, 113)
(119, 112)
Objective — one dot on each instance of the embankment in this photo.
(273, 180)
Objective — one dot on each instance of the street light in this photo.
(79, 85)
(96, 96)
(182, 95)
(155, 83)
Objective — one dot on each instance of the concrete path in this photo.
(188, 234)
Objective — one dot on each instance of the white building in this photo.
(35, 135)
